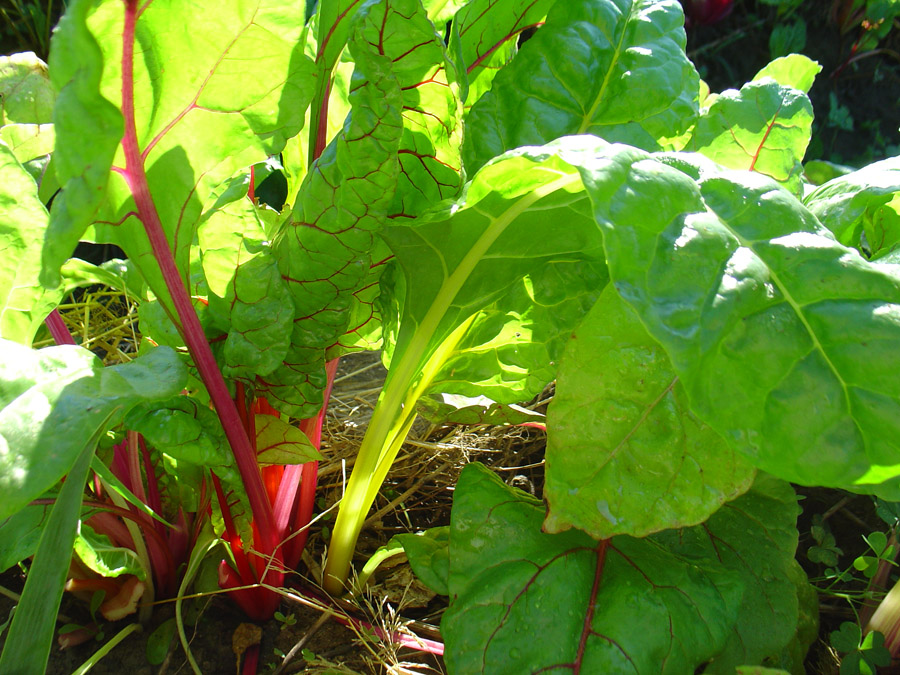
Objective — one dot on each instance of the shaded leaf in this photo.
(525, 601)
(456, 409)
(429, 556)
(512, 349)
(20, 534)
(30, 636)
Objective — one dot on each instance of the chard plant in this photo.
(493, 217)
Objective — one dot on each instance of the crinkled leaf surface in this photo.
(764, 127)
(862, 208)
(323, 252)
(24, 302)
(624, 453)
(484, 38)
(26, 94)
(430, 146)
(466, 258)
(526, 601)
(771, 325)
(512, 349)
(54, 400)
(278, 442)
(233, 98)
(248, 299)
(625, 77)
(184, 429)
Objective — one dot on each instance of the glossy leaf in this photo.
(323, 252)
(795, 70)
(88, 130)
(278, 442)
(200, 115)
(24, 302)
(26, 94)
(764, 127)
(523, 600)
(54, 400)
(512, 349)
(862, 208)
(484, 38)
(429, 154)
(624, 453)
(625, 78)
(184, 429)
(769, 322)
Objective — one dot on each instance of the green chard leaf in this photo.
(625, 78)
(429, 556)
(771, 325)
(430, 161)
(53, 401)
(97, 553)
(624, 453)
(764, 127)
(512, 349)
(88, 131)
(24, 302)
(461, 260)
(184, 429)
(664, 604)
(323, 251)
(278, 442)
(21, 533)
(26, 106)
(201, 116)
(26, 94)
(484, 38)
(862, 208)
(248, 300)
(794, 70)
